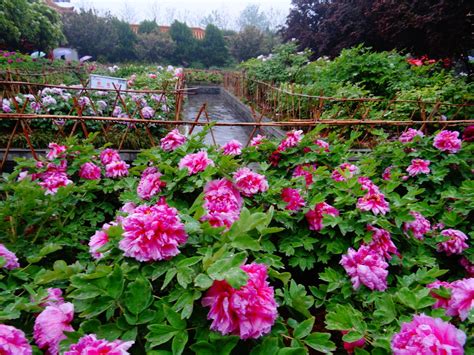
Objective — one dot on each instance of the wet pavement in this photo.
(217, 110)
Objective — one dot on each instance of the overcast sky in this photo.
(190, 10)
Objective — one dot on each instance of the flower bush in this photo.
(240, 255)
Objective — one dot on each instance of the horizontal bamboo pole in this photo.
(80, 88)
(302, 123)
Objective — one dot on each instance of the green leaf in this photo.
(138, 296)
(268, 346)
(304, 328)
(385, 309)
(115, 283)
(320, 342)
(203, 281)
(179, 342)
(174, 318)
(345, 317)
(246, 242)
(292, 351)
(352, 336)
(236, 277)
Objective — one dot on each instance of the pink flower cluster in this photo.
(98, 240)
(344, 171)
(382, 242)
(172, 141)
(53, 178)
(195, 162)
(150, 184)
(461, 300)
(323, 144)
(114, 165)
(456, 243)
(366, 266)
(10, 259)
(50, 326)
(248, 312)
(305, 170)
(316, 215)
(291, 140)
(250, 183)
(419, 227)
(233, 147)
(447, 141)
(418, 166)
(90, 345)
(387, 173)
(427, 335)
(54, 297)
(409, 135)
(55, 151)
(222, 202)
(152, 233)
(373, 200)
(13, 341)
(293, 199)
(89, 171)
(257, 140)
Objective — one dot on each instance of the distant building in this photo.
(198, 32)
(60, 6)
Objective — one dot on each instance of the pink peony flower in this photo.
(447, 141)
(195, 162)
(250, 183)
(248, 312)
(257, 140)
(90, 345)
(382, 242)
(462, 298)
(350, 347)
(427, 335)
(128, 207)
(274, 158)
(89, 171)
(419, 227)
(10, 259)
(50, 326)
(233, 147)
(293, 199)
(13, 341)
(152, 233)
(150, 185)
(116, 169)
(441, 302)
(291, 140)
(53, 181)
(98, 240)
(410, 134)
(322, 144)
(315, 216)
(306, 170)
(344, 172)
(55, 151)
(418, 166)
(368, 185)
(172, 141)
(456, 244)
(387, 173)
(222, 202)
(109, 155)
(366, 266)
(373, 201)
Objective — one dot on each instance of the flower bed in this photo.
(281, 248)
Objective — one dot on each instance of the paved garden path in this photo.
(217, 110)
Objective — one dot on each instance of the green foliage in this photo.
(158, 304)
(213, 47)
(29, 25)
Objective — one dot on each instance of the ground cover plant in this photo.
(284, 247)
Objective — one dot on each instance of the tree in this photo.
(186, 45)
(251, 16)
(155, 47)
(216, 18)
(27, 25)
(91, 34)
(213, 47)
(248, 43)
(124, 49)
(147, 26)
(439, 29)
